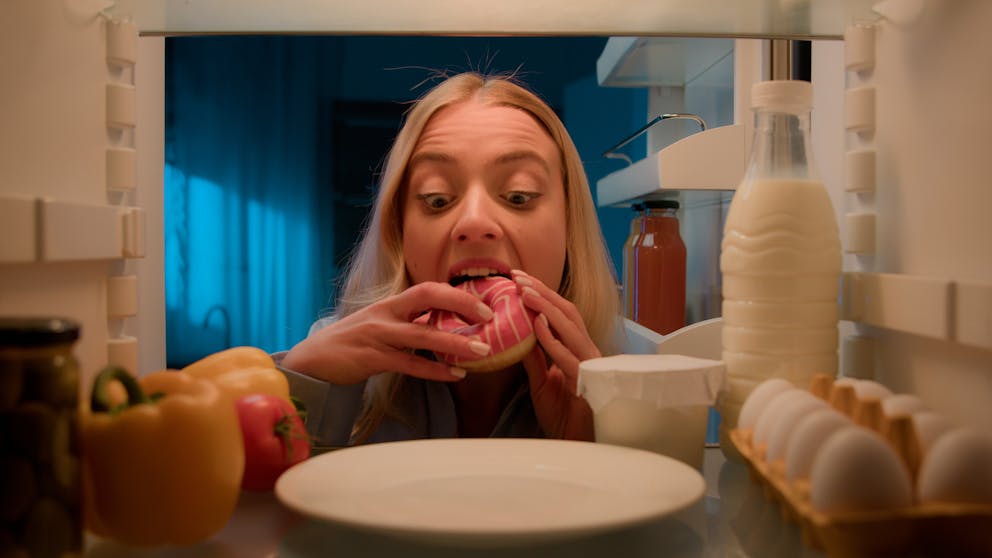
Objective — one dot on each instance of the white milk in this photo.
(781, 266)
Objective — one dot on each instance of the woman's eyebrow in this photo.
(435, 156)
(502, 159)
(521, 155)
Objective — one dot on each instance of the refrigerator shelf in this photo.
(42, 229)
(939, 308)
(821, 19)
(711, 160)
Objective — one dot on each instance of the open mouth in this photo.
(470, 274)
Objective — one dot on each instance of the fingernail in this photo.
(479, 347)
(485, 312)
(530, 291)
(457, 372)
(523, 281)
(544, 319)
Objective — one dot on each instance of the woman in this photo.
(483, 178)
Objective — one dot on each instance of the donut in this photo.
(510, 333)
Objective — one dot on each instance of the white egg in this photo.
(870, 389)
(778, 437)
(929, 425)
(769, 417)
(856, 469)
(958, 468)
(902, 404)
(807, 438)
(759, 398)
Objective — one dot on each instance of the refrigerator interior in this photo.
(917, 300)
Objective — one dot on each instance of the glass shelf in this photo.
(796, 19)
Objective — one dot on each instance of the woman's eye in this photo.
(520, 198)
(435, 201)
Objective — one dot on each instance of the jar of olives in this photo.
(40, 511)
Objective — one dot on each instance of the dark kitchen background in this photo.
(272, 149)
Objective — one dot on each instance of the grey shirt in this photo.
(425, 409)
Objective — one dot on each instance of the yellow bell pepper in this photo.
(161, 469)
(241, 371)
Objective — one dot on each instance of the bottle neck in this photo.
(781, 148)
(660, 219)
(661, 212)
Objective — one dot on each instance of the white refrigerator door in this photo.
(80, 179)
(917, 137)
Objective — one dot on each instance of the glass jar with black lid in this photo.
(40, 512)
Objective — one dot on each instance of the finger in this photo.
(536, 366)
(422, 319)
(411, 364)
(426, 337)
(562, 356)
(412, 303)
(563, 304)
(548, 385)
(572, 333)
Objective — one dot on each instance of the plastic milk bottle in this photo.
(780, 258)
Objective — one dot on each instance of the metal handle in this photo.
(611, 152)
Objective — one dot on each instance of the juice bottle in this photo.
(628, 260)
(780, 258)
(659, 261)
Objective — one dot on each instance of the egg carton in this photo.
(922, 529)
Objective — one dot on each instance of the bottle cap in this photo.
(661, 204)
(37, 331)
(793, 96)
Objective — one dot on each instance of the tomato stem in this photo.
(286, 433)
(301, 409)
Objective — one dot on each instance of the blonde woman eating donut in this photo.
(482, 180)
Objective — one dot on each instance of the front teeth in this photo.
(479, 271)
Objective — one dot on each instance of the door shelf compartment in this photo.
(710, 160)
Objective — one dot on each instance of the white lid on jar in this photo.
(794, 96)
(666, 380)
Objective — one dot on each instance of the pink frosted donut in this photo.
(510, 333)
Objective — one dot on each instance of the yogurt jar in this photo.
(658, 403)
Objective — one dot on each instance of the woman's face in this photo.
(484, 194)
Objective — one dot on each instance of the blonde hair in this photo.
(377, 269)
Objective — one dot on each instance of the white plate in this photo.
(489, 491)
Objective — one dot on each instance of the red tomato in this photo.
(274, 436)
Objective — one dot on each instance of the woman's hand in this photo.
(382, 337)
(564, 341)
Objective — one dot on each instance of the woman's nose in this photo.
(477, 219)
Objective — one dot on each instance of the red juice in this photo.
(659, 261)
